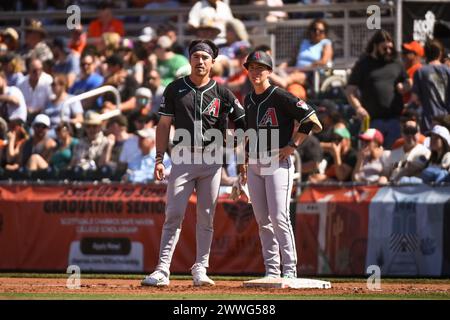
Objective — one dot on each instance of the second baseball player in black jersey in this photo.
(275, 110)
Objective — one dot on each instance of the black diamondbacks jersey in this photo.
(210, 105)
(277, 109)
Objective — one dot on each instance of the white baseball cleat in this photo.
(199, 276)
(156, 279)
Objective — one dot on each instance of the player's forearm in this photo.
(299, 137)
(162, 137)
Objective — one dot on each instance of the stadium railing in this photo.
(347, 21)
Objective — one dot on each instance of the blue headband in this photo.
(202, 46)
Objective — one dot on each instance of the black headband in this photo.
(202, 46)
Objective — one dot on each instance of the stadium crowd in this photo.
(392, 124)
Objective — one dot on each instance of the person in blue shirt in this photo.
(141, 168)
(65, 61)
(315, 51)
(89, 80)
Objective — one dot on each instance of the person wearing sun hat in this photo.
(34, 41)
(205, 11)
(207, 29)
(438, 168)
(39, 144)
(11, 38)
(94, 150)
(368, 166)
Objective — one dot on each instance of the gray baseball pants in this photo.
(182, 181)
(270, 196)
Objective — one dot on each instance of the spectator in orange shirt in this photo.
(412, 53)
(105, 22)
(78, 39)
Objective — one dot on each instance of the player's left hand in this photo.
(285, 152)
(159, 172)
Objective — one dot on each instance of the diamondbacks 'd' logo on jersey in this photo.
(269, 118)
(302, 105)
(213, 108)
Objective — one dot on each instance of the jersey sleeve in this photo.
(167, 107)
(299, 110)
(234, 108)
(294, 107)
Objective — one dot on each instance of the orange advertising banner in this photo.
(331, 229)
(114, 228)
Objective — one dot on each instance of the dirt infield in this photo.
(13, 287)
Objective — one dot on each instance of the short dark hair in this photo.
(105, 5)
(115, 60)
(410, 115)
(121, 120)
(65, 124)
(166, 27)
(433, 50)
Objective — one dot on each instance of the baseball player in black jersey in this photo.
(271, 108)
(195, 104)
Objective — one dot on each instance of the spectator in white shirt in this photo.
(36, 88)
(216, 10)
(407, 160)
(58, 110)
(12, 102)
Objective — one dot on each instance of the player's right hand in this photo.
(242, 168)
(159, 172)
